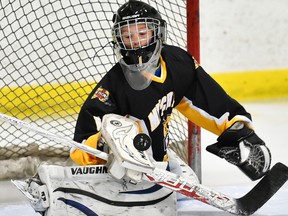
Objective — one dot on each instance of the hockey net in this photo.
(52, 54)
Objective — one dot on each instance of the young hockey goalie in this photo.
(150, 79)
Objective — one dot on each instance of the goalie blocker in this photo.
(240, 146)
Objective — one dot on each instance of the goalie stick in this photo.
(45, 133)
(246, 205)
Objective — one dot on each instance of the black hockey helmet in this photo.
(135, 12)
(136, 53)
(135, 9)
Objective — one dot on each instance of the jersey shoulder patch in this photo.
(102, 94)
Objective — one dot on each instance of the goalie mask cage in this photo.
(52, 53)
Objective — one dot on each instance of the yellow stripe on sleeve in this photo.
(207, 121)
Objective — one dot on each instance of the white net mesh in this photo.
(52, 53)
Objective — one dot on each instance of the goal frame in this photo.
(193, 47)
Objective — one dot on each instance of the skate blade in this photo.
(21, 185)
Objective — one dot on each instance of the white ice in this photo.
(271, 124)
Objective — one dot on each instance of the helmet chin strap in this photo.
(144, 73)
(140, 60)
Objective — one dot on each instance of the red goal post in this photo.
(193, 46)
(48, 65)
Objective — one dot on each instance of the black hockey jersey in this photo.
(181, 84)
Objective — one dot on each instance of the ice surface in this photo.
(276, 206)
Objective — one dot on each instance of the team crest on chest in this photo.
(102, 94)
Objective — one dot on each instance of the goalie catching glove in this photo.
(240, 146)
(127, 140)
(122, 136)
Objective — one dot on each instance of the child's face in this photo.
(136, 35)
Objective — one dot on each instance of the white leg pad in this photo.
(90, 190)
